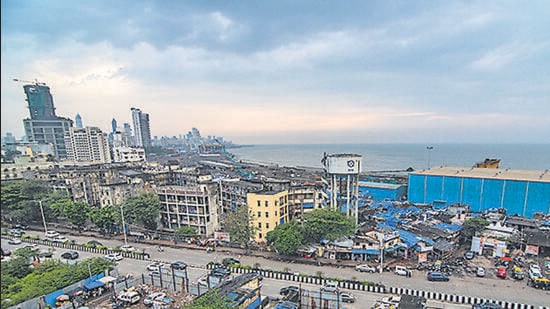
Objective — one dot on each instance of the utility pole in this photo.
(123, 225)
(429, 148)
(43, 217)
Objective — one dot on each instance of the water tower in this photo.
(342, 174)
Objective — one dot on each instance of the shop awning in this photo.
(107, 279)
(365, 251)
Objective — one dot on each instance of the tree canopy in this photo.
(473, 227)
(286, 238)
(239, 225)
(143, 209)
(327, 224)
(210, 299)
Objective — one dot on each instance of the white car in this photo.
(15, 241)
(534, 271)
(330, 286)
(365, 268)
(51, 234)
(154, 266)
(127, 248)
(113, 257)
(60, 239)
(153, 297)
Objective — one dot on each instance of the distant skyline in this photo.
(284, 72)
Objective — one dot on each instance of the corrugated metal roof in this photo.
(380, 185)
(487, 173)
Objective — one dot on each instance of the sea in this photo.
(399, 157)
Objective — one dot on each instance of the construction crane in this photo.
(36, 82)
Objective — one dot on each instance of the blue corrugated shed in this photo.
(408, 238)
(451, 228)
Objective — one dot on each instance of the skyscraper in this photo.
(113, 125)
(44, 127)
(78, 121)
(142, 131)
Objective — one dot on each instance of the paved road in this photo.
(490, 287)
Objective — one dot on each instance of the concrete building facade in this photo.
(89, 145)
(268, 209)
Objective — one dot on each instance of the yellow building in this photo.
(268, 209)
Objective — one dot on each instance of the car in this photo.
(203, 281)
(113, 257)
(15, 241)
(220, 271)
(94, 243)
(21, 226)
(16, 232)
(70, 255)
(51, 234)
(45, 254)
(365, 268)
(127, 248)
(437, 276)
(330, 286)
(179, 265)
(154, 266)
(480, 272)
(60, 239)
(403, 271)
(486, 305)
(517, 273)
(153, 297)
(347, 297)
(154, 273)
(6, 252)
(391, 300)
(287, 289)
(258, 275)
(469, 255)
(501, 272)
(31, 247)
(229, 261)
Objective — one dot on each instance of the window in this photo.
(276, 203)
(259, 214)
(260, 235)
(267, 225)
(266, 203)
(267, 214)
(259, 203)
(275, 213)
(259, 225)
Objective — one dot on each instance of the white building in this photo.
(89, 145)
(128, 154)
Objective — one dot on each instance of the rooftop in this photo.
(487, 173)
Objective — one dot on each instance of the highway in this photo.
(489, 287)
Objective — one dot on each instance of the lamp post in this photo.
(382, 253)
(429, 148)
(43, 217)
(123, 225)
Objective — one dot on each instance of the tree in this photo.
(239, 225)
(143, 209)
(473, 227)
(327, 224)
(210, 299)
(105, 217)
(286, 238)
(186, 231)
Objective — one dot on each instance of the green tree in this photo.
(105, 217)
(328, 224)
(286, 238)
(186, 231)
(143, 210)
(473, 227)
(239, 225)
(209, 300)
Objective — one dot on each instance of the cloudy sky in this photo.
(288, 71)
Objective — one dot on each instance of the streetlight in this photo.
(43, 217)
(429, 148)
(123, 225)
(381, 253)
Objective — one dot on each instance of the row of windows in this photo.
(260, 226)
(266, 214)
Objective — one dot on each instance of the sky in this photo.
(288, 72)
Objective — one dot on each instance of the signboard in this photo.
(222, 236)
(530, 249)
(422, 257)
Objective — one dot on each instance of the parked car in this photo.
(391, 300)
(32, 247)
(517, 273)
(6, 252)
(480, 272)
(70, 255)
(403, 271)
(287, 289)
(21, 226)
(469, 255)
(330, 286)
(45, 254)
(437, 276)
(501, 272)
(486, 305)
(153, 297)
(154, 266)
(130, 297)
(94, 243)
(16, 232)
(220, 272)
(113, 257)
(15, 241)
(51, 234)
(178, 265)
(229, 261)
(365, 268)
(347, 297)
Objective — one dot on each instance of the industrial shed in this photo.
(520, 192)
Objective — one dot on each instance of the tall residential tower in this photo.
(142, 131)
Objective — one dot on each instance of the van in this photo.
(403, 271)
(130, 297)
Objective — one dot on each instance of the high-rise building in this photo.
(87, 145)
(44, 127)
(78, 121)
(142, 131)
(113, 125)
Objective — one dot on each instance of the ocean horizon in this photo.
(392, 157)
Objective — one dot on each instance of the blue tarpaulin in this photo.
(93, 285)
(365, 251)
(450, 228)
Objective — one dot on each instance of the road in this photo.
(489, 287)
